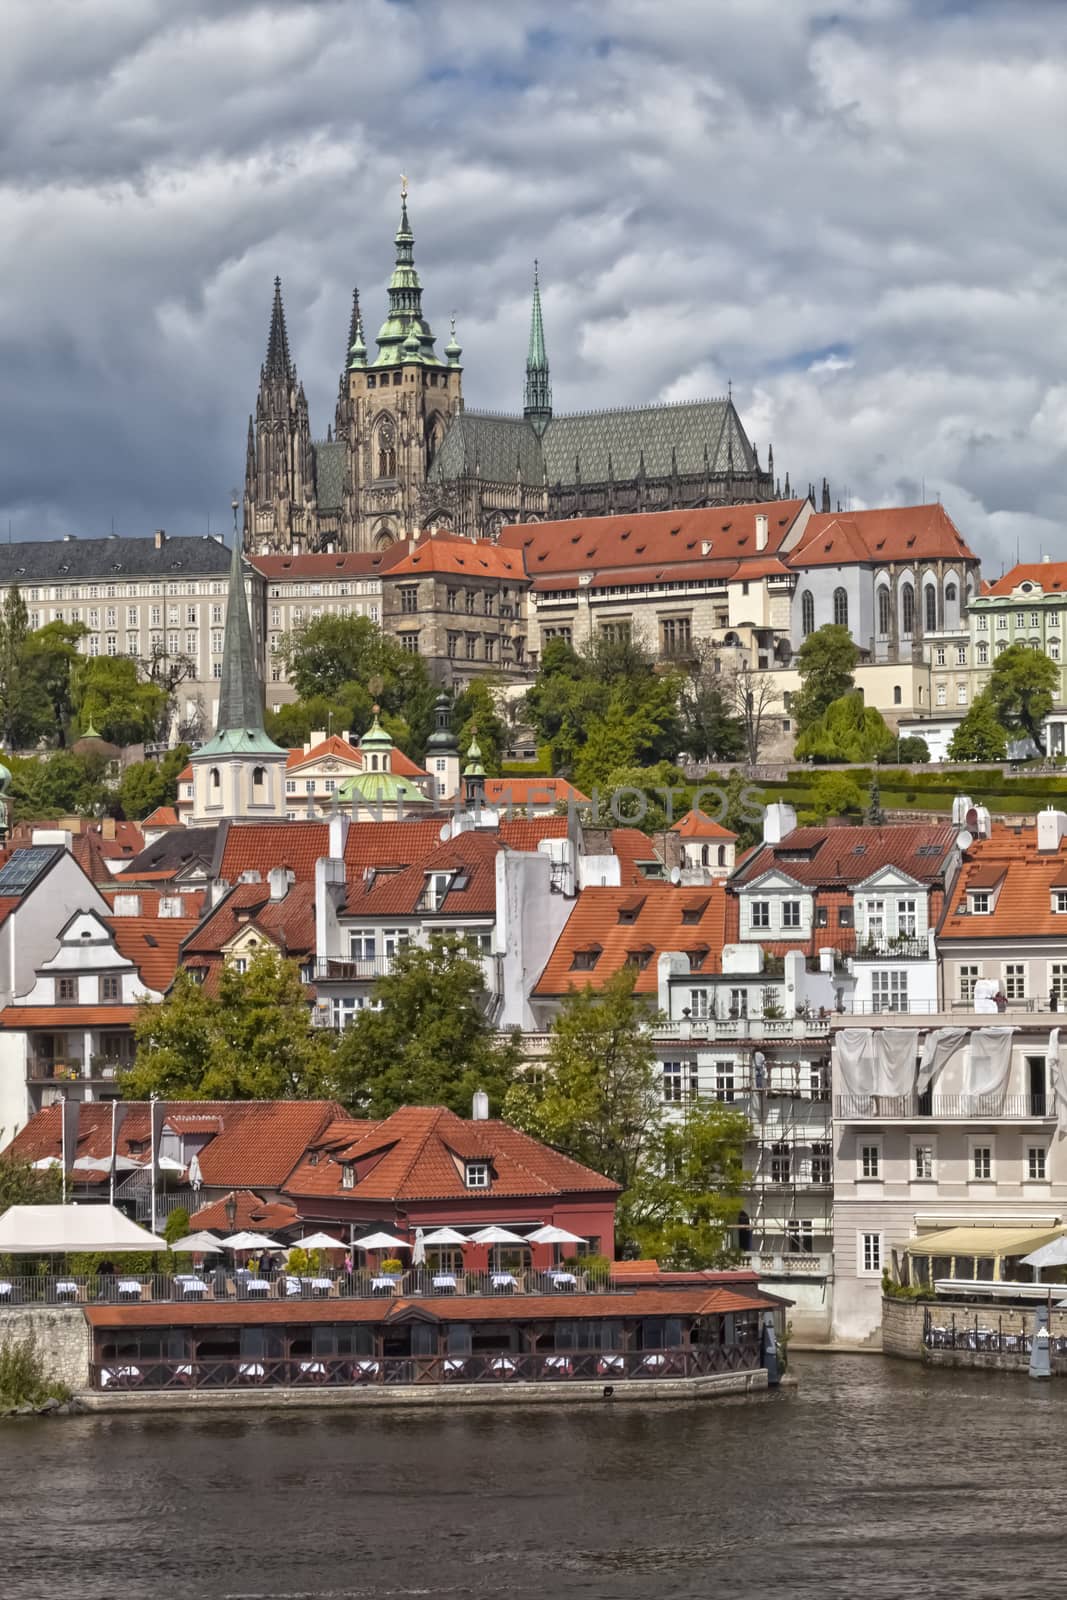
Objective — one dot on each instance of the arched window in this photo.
(897, 696)
(807, 613)
(841, 608)
(883, 612)
(214, 779)
(907, 610)
(950, 595)
(386, 450)
(930, 608)
(434, 431)
(259, 777)
(704, 857)
(722, 855)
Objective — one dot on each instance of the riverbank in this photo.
(430, 1396)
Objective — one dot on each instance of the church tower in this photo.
(240, 772)
(399, 405)
(279, 504)
(537, 404)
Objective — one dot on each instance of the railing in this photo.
(946, 1108)
(224, 1284)
(71, 1069)
(329, 1371)
(789, 1264)
(356, 969)
(957, 1334)
(899, 949)
(754, 1026)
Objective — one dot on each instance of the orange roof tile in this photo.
(254, 1213)
(289, 923)
(603, 921)
(531, 792)
(695, 825)
(418, 1153)
(343, 750)
(842, 856)
(162, 817)
(473, 854)
(641, 540)
(153, 944)
(893, 533)
(471, 558)
(1021, 880)
(390, 844)
(259, 846)
(330, 564)
(68, 1016)
(1049, 576)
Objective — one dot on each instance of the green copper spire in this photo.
(405, 317)
(241, 693)
(538, 403)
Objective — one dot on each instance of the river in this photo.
(876, 1479)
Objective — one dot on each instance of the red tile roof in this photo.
(259, 846)
(162, 817)
(1049, 576)
(895, 533)
(390, 844)
(1022, 905)
(418, 1154)
(342, 750)
(259, 1144)
(472, 854)
(695, 825)
(840, 857)
(626, 927)
(341, 564)
(254, 1213)
(470, 558)
(531, 792)
(153, 944)
(68, 1016)
(289, 923)
(192, 900)
(633, 543)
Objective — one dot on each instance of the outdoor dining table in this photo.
(319, 1286)
(503, 1282)
(453, 1366)
(257, 1288)
(563, 1280)
(610, 1364)
(7, 1290)
(383, 1285)
(502, 1364)
(129, 1289)
(251, 1369)
(66, 1290)
(190, 1286)
(312, 1369)
(115, 1375)
(445, 1281)
(365, 1369)
(561, 1364)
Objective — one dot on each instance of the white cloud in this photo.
(853, 212)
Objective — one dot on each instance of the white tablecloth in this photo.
(252, 1369)
(66, 1288)
(321, 1284)
(190, 1285)
(369, 1369)
(258, 1286)
(504, 1280)
(129, 1286)
(383, 1283)
(313, 1369)
(444, 1280)
(119, 1375)
(563, 1280)
(558, 1363)
(610, 1364)
(503, 1364)
(6, 1289)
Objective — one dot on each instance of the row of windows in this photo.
(1012, 976)
(90, 991)
(922, 1161)
(118, 591)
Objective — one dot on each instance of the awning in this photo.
(988, 1241)
(55, 1230)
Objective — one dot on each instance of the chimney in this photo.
(279, 879)
(107, 827)
(761, 530)
(161, 538)
(1051, 827)
(778, 820)
(317, 737)
(480, 1106)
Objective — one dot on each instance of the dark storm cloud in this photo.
(854, 212)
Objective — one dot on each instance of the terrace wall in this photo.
(62, 1337)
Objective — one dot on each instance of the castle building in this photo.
(405, 454)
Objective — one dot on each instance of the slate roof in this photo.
(690, 436)
(179, 849)
(71, 560)
(329, 474)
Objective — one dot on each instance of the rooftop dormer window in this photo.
(980, 902)
(476, 1174)
(585, 960)
(1059, 900)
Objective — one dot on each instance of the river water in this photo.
(875, 1478)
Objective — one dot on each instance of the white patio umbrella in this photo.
(198, 1244)
(45, 1162)
(550, 1234)
(418, 1255)
(445, 1236)
(495, 1235)
(168, 1164)
(1053, 1254)
(318, 1241)
(380, 1241)
(249, 1241)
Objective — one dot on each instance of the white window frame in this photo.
(1014, 980)
(922, 1142)
(889, 990)
(985, 1142)
(1041, 1151)
(788, 908)
(967, 975)
(870, 1159)
(477, 1175)
(870, 1253)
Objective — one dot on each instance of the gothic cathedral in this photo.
(404, 453)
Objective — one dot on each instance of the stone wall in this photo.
(902, 1328)
(902, 1331)
(62, 1337)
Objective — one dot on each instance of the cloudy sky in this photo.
(854, 211)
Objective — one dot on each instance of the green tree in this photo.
(253, 1041)
(711, 730)
(912, 750)
(648, 807)
(350, 661)
(847, 730)
(1022, 690)
(603, 708)
(834, 794)
(50, 662)
(826, 662)
(21, 1184)
(427, 1040)
(476, 709)
(59, 784)
(979, 736)
(109, 696)
(177, 1225)
(144, 785)
(600, 1102)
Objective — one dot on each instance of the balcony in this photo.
(897, 949)
(362, 969)
(788, 1264)
(71, 1069)
(709, 1029)
(944, 1108)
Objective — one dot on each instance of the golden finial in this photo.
(403, 187)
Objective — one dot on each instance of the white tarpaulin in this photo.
(989, 1066)
(940, 1046)
(855, 1060)
(57, 1230)
(895, 1050)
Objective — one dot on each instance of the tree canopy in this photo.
(427, 1039)
(834, 794)
(600, 1102)
(21, 1184)
(1022, 690)
(710, 727)
(979, 736)
(253, 1040)
(346, 665)
(602, 708)
(847, 730)
(111, 697)
(826, 663)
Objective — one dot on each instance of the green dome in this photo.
(5, 779)
(381, 788)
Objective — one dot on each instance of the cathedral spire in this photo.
(537, 407)
(405, 303)
(278, 364)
